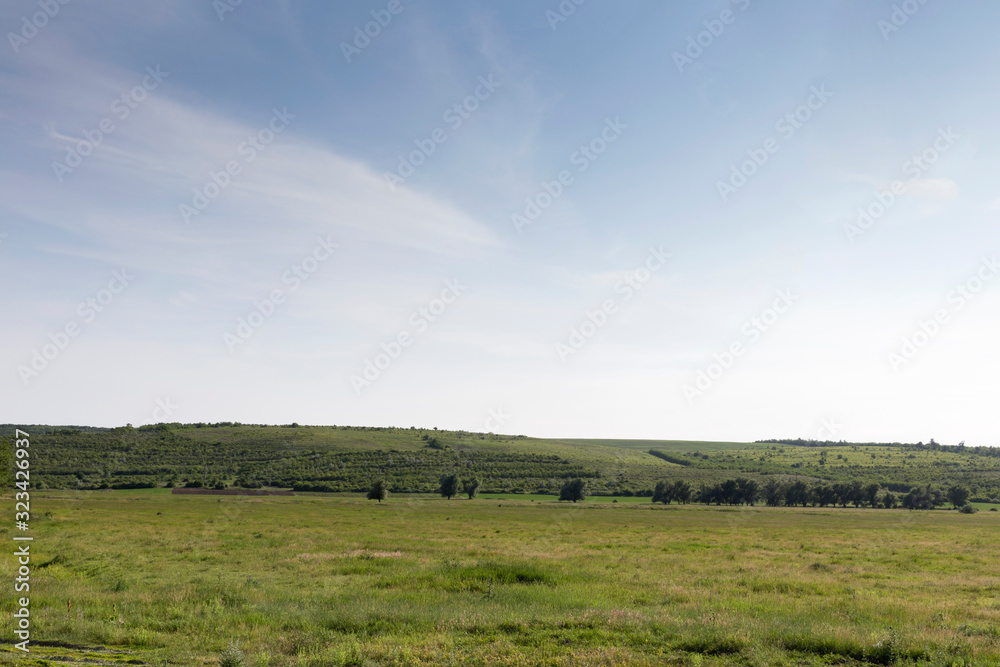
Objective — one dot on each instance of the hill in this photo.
(411, 460)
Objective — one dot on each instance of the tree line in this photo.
(452, 485)
(798, 493)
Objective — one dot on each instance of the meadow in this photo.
(323, 579)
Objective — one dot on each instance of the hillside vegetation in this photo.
(411, 460)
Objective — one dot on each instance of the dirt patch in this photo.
(365, 553)
(184, 491)
(65, 652)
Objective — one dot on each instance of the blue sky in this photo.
(721, 220)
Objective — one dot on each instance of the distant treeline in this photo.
(798, 493)
(931, 445)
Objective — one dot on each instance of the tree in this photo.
(922, 499)
(449, 486)
(730, 492)
(471, 488)
(824, 494)
(871, 494)
(774, 493)
(889, 500)
(682, 491)
(748, 491)
(857, 493)
(841, 494)
(958, 496)
(379, 491)
(797, 494)
(573, 490)
(660, 493)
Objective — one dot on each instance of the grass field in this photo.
(337, 580)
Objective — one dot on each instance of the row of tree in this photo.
(450, 487)
(743, 491)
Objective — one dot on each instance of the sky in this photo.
(717, 220)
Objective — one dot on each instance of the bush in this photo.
(967, 509)
(232, 656)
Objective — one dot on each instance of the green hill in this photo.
(344, 458)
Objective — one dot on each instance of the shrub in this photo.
(967, 509)
(232, 656)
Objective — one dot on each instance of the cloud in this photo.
(121, 205)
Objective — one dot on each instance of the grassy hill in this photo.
(343, 458)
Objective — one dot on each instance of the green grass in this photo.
(336, 580)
